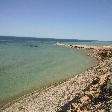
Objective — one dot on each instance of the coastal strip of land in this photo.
(90, 90)
(97, 96)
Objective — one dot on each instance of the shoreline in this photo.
(5, 103)
(44, 86)
(26, 93)
(35, 87)
(51, 98)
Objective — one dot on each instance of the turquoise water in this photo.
(33, 64)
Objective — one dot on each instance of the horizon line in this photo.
(46, 37)
(54, 38)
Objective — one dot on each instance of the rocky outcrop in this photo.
(104, 53)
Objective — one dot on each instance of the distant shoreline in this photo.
(56, 95)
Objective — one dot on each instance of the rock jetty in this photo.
(90, 91)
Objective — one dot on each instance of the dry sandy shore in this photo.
(55, 97)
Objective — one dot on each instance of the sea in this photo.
(27, 63)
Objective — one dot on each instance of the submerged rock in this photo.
(33, 46)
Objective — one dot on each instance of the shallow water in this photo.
(32, 64)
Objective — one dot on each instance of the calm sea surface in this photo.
(31, 64)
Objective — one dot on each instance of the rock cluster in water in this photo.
(88, 91)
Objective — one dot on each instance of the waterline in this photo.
(25, 67)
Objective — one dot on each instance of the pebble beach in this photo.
(76, 94)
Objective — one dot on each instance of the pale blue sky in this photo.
(81, 19)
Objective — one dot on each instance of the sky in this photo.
(77, 19)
